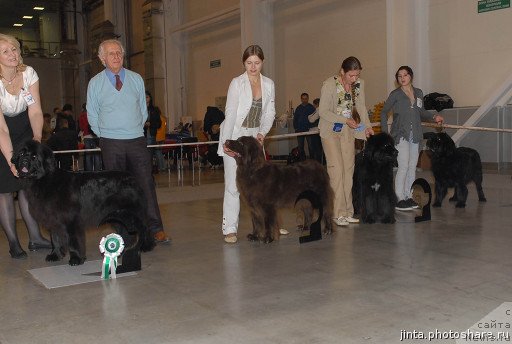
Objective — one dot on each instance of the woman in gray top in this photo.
(408, 112)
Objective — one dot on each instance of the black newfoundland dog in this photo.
(266, 187)
(373, 195)
(454, 167)
(67, 203)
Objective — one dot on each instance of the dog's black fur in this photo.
(372, 191)
(67, 203)
(267, 187)
(454, 167)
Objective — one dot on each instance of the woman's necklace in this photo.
(14, 77)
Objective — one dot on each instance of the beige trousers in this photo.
(340, 154)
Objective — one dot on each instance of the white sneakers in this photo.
(345, 220)
(340, 221)
(351, 219)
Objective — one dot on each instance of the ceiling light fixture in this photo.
(28, 17)
(17, 24)
(39, 8)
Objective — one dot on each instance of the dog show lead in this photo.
(250, 111)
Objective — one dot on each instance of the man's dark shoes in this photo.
(34, 246)
(161, 237)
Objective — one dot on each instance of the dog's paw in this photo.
(453, 199)
(252, 237)
(75, 260)
(460, 205)
(388, 220)
(267, 239)
(369, 219)
(53, 257)
(483, 199)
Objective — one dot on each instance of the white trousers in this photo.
(231, 205)
(408, 153)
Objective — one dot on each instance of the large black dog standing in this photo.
(454, 167)
(67, 203)
(373, 194)
(267, 187)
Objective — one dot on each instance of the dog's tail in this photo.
(132, 228)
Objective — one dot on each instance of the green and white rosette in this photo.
(111, 246)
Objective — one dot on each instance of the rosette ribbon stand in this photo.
(111, 246)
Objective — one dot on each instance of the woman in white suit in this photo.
(250, 111)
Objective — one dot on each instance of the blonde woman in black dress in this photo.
(21, 119)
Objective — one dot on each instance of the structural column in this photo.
(257, 25)
(154, 51)
(407, 26)
(175, 98)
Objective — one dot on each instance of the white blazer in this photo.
(238, 104)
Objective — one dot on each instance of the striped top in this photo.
(253, 118)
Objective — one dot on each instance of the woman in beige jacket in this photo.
(343, 117)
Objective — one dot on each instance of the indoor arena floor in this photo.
(363, 284)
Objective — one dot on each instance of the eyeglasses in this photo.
(115, 54)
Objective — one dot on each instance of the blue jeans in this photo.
(408, 153)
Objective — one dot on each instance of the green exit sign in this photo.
(492, 5)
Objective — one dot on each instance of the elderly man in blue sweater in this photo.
(116, 111)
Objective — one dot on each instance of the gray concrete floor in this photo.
(363, 284)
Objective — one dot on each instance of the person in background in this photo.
(47, 127)
(211, 123)
(21, 119)
(67, 113)
(64, 139)
(250, 111)
(152, 124)
(56, 112)
(117, 111)
(302, 124)
(314, 143)
(160, 139)
(92, 160)
(341, 102)
(408, 111)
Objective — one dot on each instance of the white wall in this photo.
(313, 37)
(471, 53)
(217, 42)
(49, 72)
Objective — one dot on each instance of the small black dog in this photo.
(454, 167)
(67, 203)
(372, 191)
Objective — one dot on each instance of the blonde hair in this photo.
(101, 48)
(11, 40)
